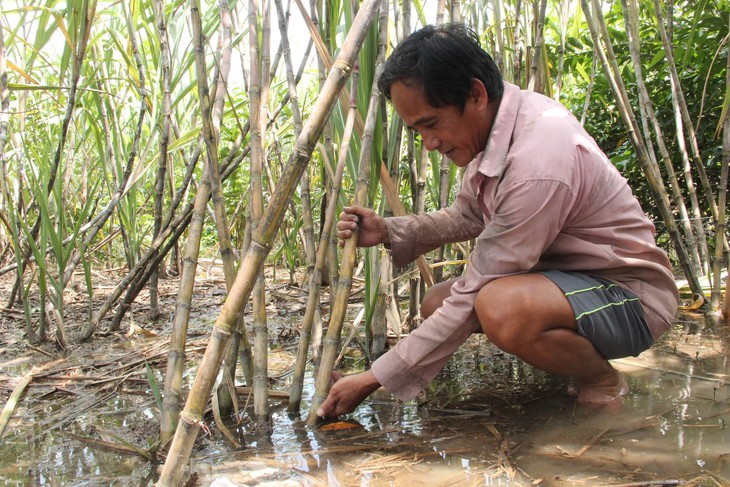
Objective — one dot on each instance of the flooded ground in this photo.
(488, 419)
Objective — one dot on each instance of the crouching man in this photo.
(565, 273)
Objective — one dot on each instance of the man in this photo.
(565, 273)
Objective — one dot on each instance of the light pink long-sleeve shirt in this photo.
(541, 196)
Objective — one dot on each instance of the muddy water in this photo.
(488, 419)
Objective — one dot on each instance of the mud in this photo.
(488, 419)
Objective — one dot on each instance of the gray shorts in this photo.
(608, 315)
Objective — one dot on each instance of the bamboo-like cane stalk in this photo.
(171, 227)
(440, 12)
(344, 284)
(4, 187)
(444, 190)
(211, 173)
(535, 83)
(395, 204)
(315, 279)
(328, 152)
(134, 43)
(240, 337)
(445, 167)
(720, 237)
(701, 239)
(82, 34)
(305, 197)
(682, 105)
(379, 323)
(258, 88)
(564, 15)
(651, 172)
(455, 10)
(259, 248)
(682, 119)
(12, 403)
(420, 166)
(631, 19)
(499, 53)
(4, 116)
(161, 23)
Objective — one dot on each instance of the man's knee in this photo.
(435, 296)
(515, 310)
(498, 316)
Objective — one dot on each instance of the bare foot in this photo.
(603, 392)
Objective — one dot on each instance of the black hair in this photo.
(443, 60)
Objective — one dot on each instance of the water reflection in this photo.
(488, 419)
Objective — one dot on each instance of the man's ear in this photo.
(478, 93)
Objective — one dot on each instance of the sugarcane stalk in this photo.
(379, 324)
(651, 172)
(385, 181)
(81, 39)
(305, 197)
(13, 400)
(444, 190)
(173, 379)
(315, 279)
(631, 22)
(342, 294)
(170, 227)
(681, 105)
(536, 84)
(258, 96)
(327, 150)
(655, 180)
(240, 337)
(261, 242)
(4, 109)
(159, 8)
(455, 9)
(135, 142)
(240, 346)
(720, 236)
(682, 118)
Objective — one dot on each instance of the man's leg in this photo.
(529, 316)
(435, 296)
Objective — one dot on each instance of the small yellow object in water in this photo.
(339, 425)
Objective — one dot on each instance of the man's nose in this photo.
(431, 141)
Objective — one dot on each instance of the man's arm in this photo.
(521, 228)
(414, 235)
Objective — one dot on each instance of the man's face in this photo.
(459, 135)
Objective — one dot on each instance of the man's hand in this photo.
(373, 229)
(347, 393)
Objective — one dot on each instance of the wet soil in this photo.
(89, 416)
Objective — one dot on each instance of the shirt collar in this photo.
(491, 161)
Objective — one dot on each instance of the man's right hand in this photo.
(372, 227)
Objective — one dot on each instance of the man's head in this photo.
(443, 60)
(445, 87)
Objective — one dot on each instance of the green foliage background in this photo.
(42, 38)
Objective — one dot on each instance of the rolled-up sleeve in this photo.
(521, 228)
